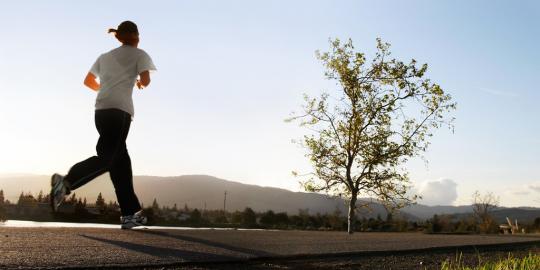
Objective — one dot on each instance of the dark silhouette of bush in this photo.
(536, 224)
(195, 217)
(268, 219)
(249, 219)
(2, 213)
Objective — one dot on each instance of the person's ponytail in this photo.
(127, 33)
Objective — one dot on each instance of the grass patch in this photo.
(530, 262)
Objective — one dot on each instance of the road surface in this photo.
(107, 247)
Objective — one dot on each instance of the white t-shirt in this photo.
(117, 71)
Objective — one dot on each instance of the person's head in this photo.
(127, 33)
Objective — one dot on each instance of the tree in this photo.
(482, 206)
(195, 216)
(21, 199)
(236, 217)
(112, 206)
(249, 218)
(2, 213)
(46, 198)
(155, 208)
(40, 196)
(536, 223)
(336, 220)
(303, 215)
(80, 208)
(282, 219)
(26, 200)
(100, 203)
(268, 218)
(155, 205)
(72, 199)
(434, 225)
(2, 210)
(383, 114)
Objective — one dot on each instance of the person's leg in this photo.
(122, 175)
(122, 178)
(109, 124)
(84, 172)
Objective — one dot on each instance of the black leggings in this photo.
(112, 156)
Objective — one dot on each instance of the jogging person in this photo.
(118, 71)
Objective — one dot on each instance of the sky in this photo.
(230, 72)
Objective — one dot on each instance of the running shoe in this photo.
(58, 191)
(134, 220)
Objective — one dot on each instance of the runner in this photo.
(117, 71)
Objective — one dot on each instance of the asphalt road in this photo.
(96, 247)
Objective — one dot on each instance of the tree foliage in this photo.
(100, 203)
(2, 210)
(382, 114)
(483, 206)
(249, 218)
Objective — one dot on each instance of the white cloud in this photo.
(441, 192)
(535, 187)
(499, 93)
(519, 194)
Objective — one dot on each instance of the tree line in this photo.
(78, 209)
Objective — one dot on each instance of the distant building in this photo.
(93, 210)
(183, 217)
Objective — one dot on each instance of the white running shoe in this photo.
(58, 191)
(134, 220)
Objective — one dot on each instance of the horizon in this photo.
(228, 74)
(84, 190)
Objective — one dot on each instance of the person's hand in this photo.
(90, 82)
(139, 85)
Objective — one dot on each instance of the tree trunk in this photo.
(352, 217)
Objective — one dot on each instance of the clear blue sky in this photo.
(229, 72)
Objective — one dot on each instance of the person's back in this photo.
(118, 70)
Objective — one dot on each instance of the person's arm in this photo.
(144, 79)
(90, 82)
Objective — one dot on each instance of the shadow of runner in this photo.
(163, 252)
(253, 252)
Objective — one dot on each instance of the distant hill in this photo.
(198, 191)
(425, 212)
(522, 215)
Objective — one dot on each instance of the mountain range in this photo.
(202, 191)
